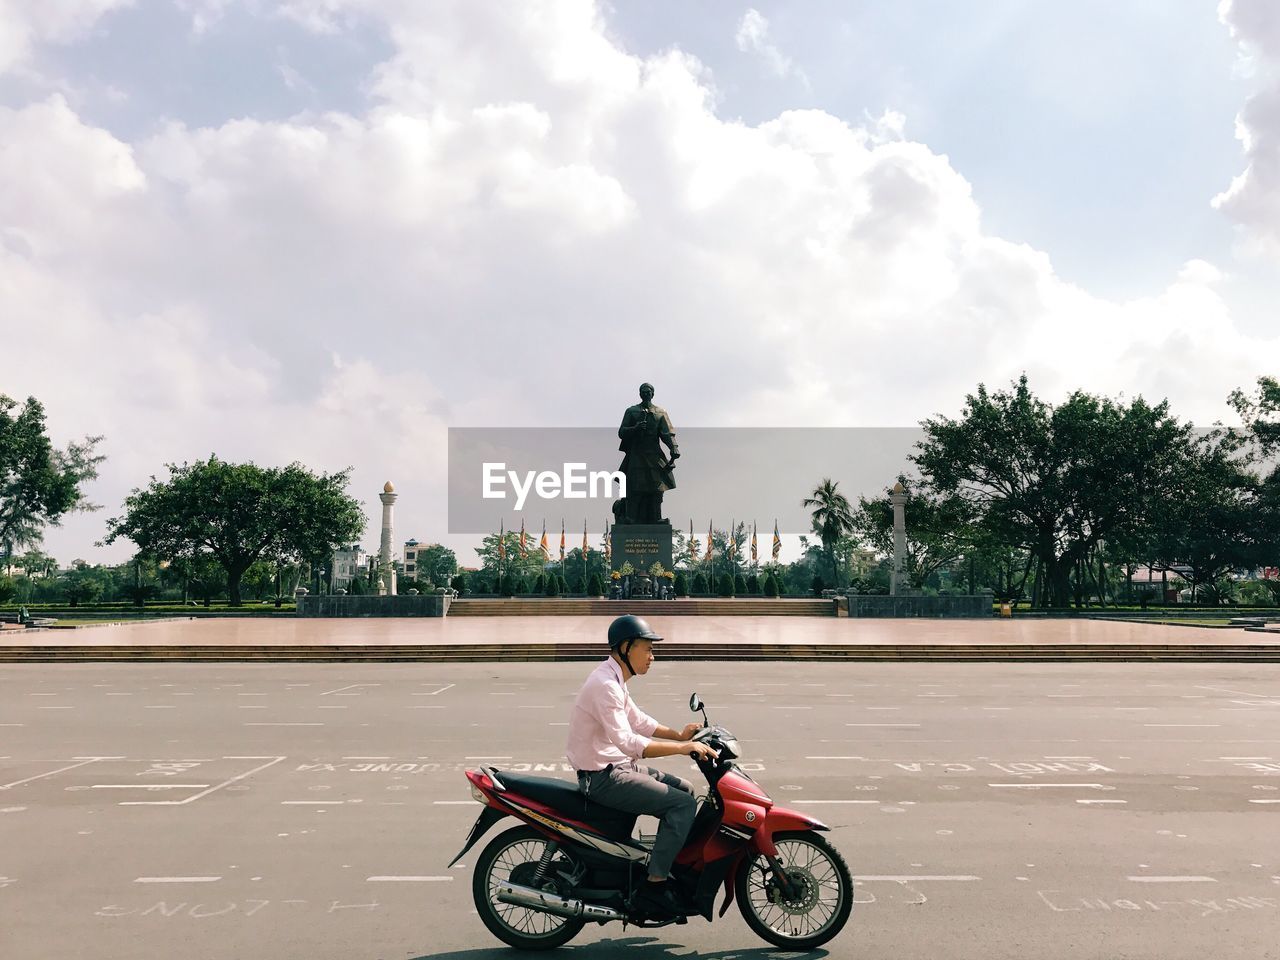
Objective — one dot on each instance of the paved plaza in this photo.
(269, 810)
(289, 631)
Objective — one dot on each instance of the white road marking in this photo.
(835, 758)
(1037, 786)
(420, 706)
(911, 879)
(1070, 758)
(177, 879)
(810, 803)
(332, 707)
(41, 776)
(450, 803)
(1182, 724)
(55, 708)
(408, 879)
(1264, 801)
(283, 723)
(366, 758)
(349, 686)
(226, 783)
(319, 803)
(148, 786)
(1102, 801)
(1187, 879)
(12, 724)
(160, 706)
(1242, 758)
(882, 724)
(552, 724)
(448, 686)
(486, 758)
(1238, 693)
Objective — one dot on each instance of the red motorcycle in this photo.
(574, 862)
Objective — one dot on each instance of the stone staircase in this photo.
(561, 652)
(578, 607)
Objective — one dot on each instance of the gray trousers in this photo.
(634, 788)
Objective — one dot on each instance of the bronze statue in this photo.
(649, 472)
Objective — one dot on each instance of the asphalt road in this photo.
(309, 811)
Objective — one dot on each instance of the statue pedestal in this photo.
(642, 544)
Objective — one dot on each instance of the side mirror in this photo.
(695, 705)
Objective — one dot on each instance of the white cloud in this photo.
(24, 24)
(527, 223)
(753, 37)
(1253, 198)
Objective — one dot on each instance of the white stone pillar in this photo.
(387, 583)
(899, 500)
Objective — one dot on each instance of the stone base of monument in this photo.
(368, 605)
(641, 545)
(955, 606)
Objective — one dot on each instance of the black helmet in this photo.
(629, 628)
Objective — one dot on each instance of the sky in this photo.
(329, 230)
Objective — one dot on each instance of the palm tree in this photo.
(832, 517)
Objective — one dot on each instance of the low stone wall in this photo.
(966, 605)
(332, 605)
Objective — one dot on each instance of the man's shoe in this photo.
(657, 901)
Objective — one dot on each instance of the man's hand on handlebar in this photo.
(701, 751)
(689, 730)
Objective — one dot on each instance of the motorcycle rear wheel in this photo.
(826, 893)
(519, 848)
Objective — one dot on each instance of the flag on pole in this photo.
(502, 543)
(608, 553)
(710, 536)
(691, 539)
(585, 548)
(755, 558)
(524, 541)
(777, 542)
(562, 540)
(546, 551)
(731, 543)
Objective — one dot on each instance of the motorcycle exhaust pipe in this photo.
(535, 899)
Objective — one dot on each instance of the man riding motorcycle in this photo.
(608, 734)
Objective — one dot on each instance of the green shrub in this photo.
(770, 586)
(699, 584)
(551, 586)
(540, 584)
(725, 585)
(740, 585)
(682, 585)
(459, 582)
(595, 586)
(818, 585)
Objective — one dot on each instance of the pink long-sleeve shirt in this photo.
(606, 726)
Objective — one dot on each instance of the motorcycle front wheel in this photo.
(822, 892)
(512, 856)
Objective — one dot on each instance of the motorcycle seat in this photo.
(566, 798)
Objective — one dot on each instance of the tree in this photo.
(239, 514)
(1261, 414)
(595, 586)
(939, 528)
(1211, 523)
(725, 585)
(770, 585)
(832, 517)
(1054, 481)
(699, 584)
(39, 484)
(436, 563)
(681, 584)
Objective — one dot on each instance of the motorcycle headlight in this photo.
(731, 749)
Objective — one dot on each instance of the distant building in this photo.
(348, 563)
(410, 559)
